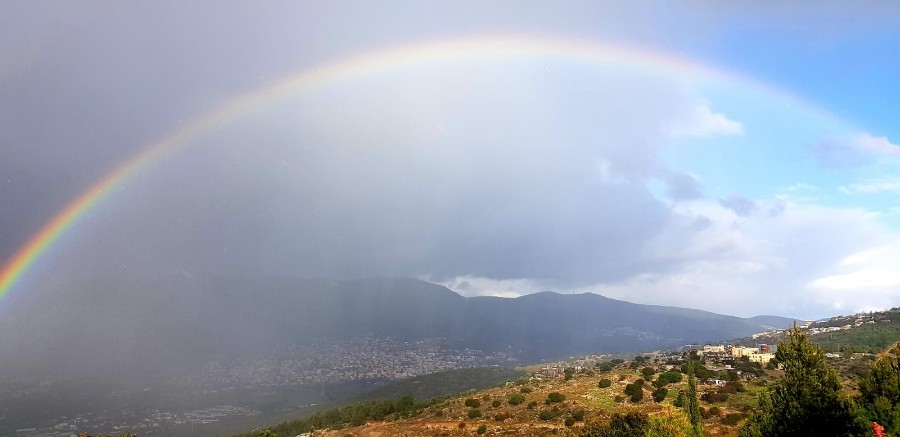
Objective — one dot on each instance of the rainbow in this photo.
(489, 48)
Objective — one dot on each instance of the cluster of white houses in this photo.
(762, 353)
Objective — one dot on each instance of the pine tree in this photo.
(808, 401)
(879, 392)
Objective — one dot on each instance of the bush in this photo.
(502, 416)
(700, 371)
(715, 411)
(666, 378)
(648, 372)
(738, 387)
(569, 422)
(730, 389)
(675, 423)
(679, 401)
(713, 397)
(604, 383)
(496, 403)
(617, 361)
(555, 397)
(474, 413)
(474, 403)
(515, 399)
(660, 394)
(532, 405)
(525, 389)
(482, 429)
(619, 399)
(578, 415)
(604, 367)
(733, 419)
(624, 425)
(635, 390)
(545, 415)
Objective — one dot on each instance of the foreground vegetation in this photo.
(637, 398)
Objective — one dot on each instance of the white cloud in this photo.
(479, 286)
(885, 184)
(877, 145)
(874, 271)
(701, 122)
(854, 151)
(793, 262)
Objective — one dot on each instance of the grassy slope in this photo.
(582, 393)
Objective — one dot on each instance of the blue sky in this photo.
(771, 188)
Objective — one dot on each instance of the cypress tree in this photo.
(691, 404)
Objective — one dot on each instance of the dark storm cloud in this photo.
(397, 177)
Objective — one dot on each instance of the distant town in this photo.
(317, 366)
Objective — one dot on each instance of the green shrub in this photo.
(604, 383)
(660, 394)
(474, 413)
(515, 399)
(482, 429)
(555, 397)
(473, 403)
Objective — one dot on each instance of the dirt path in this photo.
(371, 430)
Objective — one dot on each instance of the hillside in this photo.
(532, 407)
(866, 332)
(161, 326)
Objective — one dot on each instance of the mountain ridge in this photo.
(149, 325)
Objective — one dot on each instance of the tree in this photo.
(555, 396)
(879, 391)
(648, 372)
(660, 394)
(691, 404)
(515, 399)
(620, 425)
(808, 401)
(679, 400)
(604, 383)
(635, 390)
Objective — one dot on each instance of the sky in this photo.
(742, 158)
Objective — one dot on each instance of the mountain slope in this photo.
(145, 327)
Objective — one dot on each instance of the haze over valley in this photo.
(215, 215)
